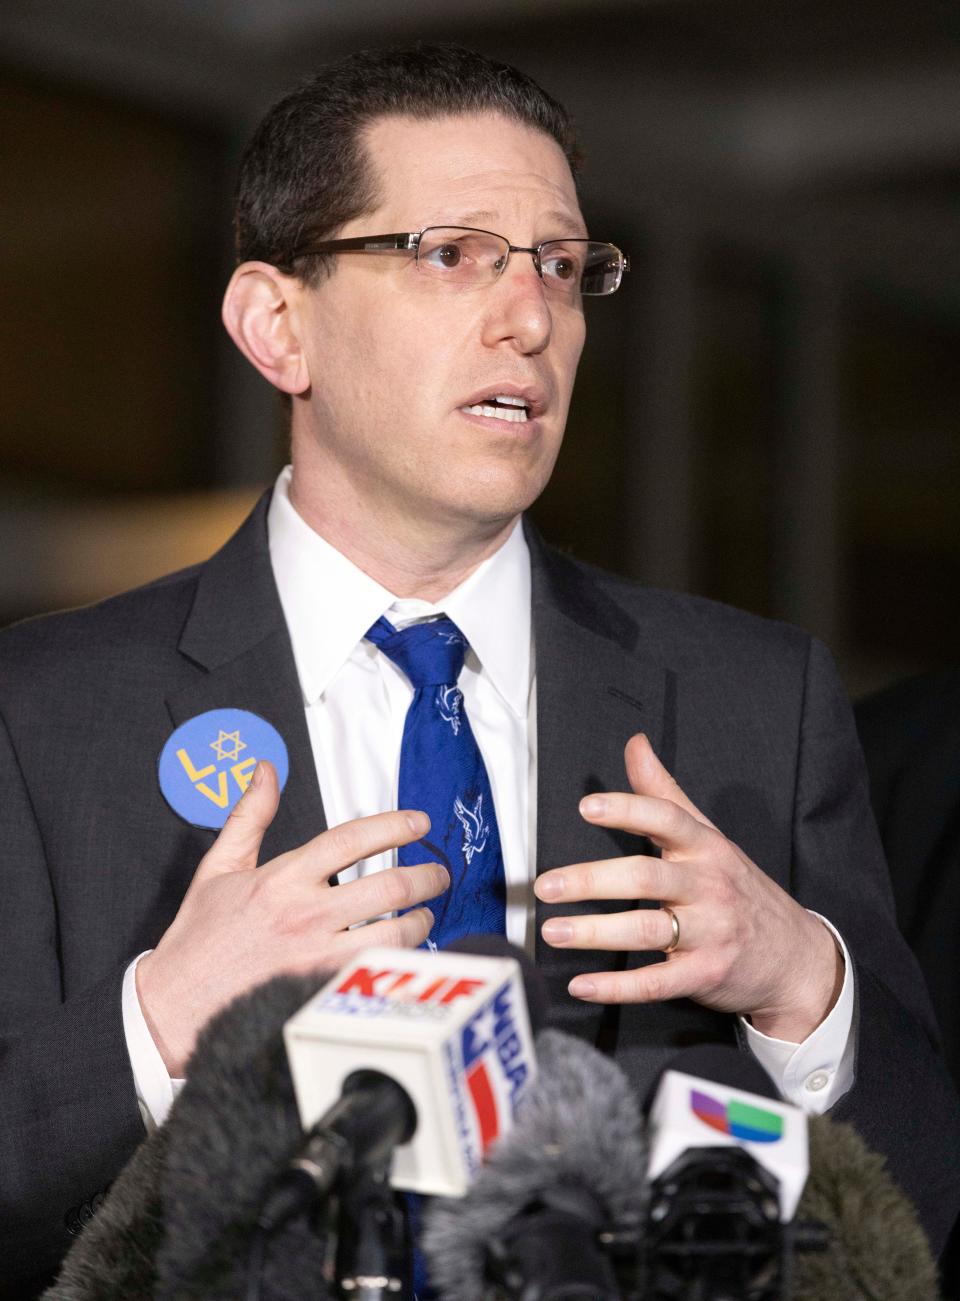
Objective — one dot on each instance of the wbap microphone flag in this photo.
(451, 1028)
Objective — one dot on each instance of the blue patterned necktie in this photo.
(442, 772)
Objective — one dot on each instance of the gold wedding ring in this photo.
(676, 928)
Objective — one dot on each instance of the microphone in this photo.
(728, 1162)
(750, 1198)
(556, 1210)
(877, 1247)
(396, 1036)
(177, 1220)
(712, 1099)
(357, 1134)
(444, 1036)
(681, 1234)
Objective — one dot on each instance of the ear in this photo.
(260, 313)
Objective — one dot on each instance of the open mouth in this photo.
(513, 410)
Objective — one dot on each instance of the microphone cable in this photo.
(256, 1258)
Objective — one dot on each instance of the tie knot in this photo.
(430, 654)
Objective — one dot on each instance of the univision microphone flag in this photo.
(689, 1112)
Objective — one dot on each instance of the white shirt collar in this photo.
(329, 604)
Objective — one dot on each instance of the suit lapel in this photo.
(594, 691)
(236, 633)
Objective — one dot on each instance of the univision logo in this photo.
(738, 1119)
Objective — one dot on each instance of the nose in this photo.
(517, 310)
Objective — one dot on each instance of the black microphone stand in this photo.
(373, 1248)
(347, 1156)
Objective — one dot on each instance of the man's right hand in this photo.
(239, 925)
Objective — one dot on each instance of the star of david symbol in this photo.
(221, 743)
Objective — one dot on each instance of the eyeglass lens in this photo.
(464, 257)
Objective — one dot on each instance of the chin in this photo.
(500, 493)
(490, 508)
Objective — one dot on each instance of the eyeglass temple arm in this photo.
(374, 244)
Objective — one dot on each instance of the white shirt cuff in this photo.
(155, 1089)
(817, 1073)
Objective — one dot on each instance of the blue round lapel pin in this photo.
(207, 763)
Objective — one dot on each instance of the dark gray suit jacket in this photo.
(910, 734)
(747, 714)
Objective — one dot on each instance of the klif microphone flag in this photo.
(450, 1029)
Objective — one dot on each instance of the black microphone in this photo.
(556, 1211)
(713, 1228)
(178, 1218)
(411, 1020)
(728, 1162)
(876, 1247)
(853, 1236)
(373, 1115)
(176, 1222)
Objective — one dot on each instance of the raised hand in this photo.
(239, 925)
(742, 943)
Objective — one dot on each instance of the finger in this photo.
(351, 842)
(677, 977)
(635, 877)
(661, 820)
(635, 930)
(647, 776)
(238, 844)
(390, 891)
(406, 932)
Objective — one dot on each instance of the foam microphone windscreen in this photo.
(877, 1249)
(115, 1255)
(177, 1221)
(579, 1127)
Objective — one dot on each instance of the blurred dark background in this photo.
(766, 413)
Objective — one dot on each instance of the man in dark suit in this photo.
(910, 734)
(429, 373)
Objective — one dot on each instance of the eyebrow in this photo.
(563, 219)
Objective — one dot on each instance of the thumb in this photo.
(647, 776)
(238, 844)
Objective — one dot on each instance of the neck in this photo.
(410, 558)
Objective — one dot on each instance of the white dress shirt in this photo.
(356, 701)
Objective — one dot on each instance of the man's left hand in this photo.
(745, 945)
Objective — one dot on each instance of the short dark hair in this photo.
(305, 172)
